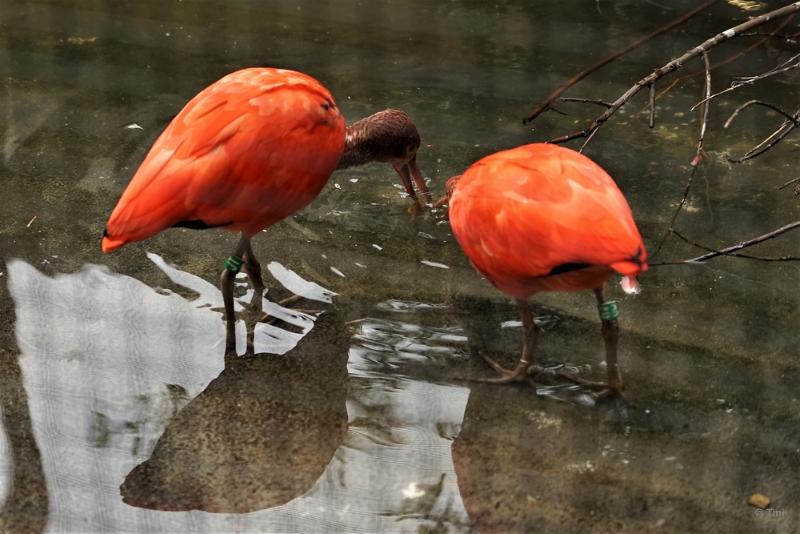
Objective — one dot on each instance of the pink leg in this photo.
(232, 266)
(610, 330)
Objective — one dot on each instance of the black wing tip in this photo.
(567, 267)
(198, 224)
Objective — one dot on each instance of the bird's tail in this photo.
(112, 243)
(630, 269)
(630, 285)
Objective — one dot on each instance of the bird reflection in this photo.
(260, 435)
(26, 506)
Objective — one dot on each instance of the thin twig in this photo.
(696, 160)
(787, 38)
(792, 63)
(725, 61)
(671, 228)
(734, 254)
(790, 182)
(791, 122)
(605, 61)
(703, 113)
(587, 141)
(676, 64)
(749, 103)
(551, 108)
(587, 101)
(734, 248)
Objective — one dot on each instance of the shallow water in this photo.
(120, 412)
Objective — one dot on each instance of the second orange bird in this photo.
(248, 151)
(542, 217)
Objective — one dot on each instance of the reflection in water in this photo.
(478, 320)
(102, 355)
(126, 397)
(23, 491)
(404, 423)
(680, 459)
(260, 435)
(716, 367)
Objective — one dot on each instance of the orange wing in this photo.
(523, 213)
(246, 152)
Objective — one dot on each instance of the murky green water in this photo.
(120, 412)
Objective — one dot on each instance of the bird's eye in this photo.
(326, 106)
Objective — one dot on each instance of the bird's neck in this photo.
(387, 136)
(358, 145)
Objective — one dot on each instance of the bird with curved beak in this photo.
(387, 136)
(245, 153)
(539, 218)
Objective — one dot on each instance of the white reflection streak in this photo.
(98, 346)
(414, 454)
(294, 283)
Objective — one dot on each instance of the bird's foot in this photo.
(605, 390)
(415, 209)
(523, 372)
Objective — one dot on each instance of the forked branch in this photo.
(730, 251)
(676, 64)
(605, 61)
(791, 122)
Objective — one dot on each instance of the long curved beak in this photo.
(419, 180)
(409, 171)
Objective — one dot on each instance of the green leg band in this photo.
(234, 263)
(609, 311)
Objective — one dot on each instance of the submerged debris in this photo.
(759, 500)
(434, 264)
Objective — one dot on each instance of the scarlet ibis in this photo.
(248, 151)
(542, 217)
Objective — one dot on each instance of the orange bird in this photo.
(248, 151)
(542, 217)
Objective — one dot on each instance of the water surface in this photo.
(120, 412)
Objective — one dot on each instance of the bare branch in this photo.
(551, 108)
(727, 60)
(791, 122)
(792, 63)
(735, 254)
(739, 246)
(676, 64)
(758, 103)
(787, 38)
(790, 182)
(587, 101)
(704, 113)
(587, 141)
(677, 211)
(605, 61)
(696, 160)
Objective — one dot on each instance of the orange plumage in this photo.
(530, 217)
(246, 152)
